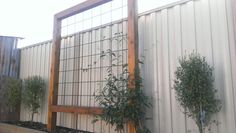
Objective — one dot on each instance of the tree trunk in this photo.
(32, 117)
(200, 128)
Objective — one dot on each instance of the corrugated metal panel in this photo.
(205, 26)
(36, 61)
(165, 34)
(9, 56)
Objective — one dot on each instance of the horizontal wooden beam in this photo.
(89, 4)
(76, 110)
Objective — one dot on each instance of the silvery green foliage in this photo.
(194, 85)
(33, 93)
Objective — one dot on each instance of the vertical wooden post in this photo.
(132, 49)
(54, 74)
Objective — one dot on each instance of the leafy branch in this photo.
(194, 86)
(13, 93)
(122, 104)
(33, 94)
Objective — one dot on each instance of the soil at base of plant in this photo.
(43, 127)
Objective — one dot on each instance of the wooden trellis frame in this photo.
(53, 108)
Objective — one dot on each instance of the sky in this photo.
(33, 19)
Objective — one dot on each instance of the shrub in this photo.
(121, 104)
(33, 94)
(13, 93)
(195, 89)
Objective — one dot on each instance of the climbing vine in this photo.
(121, 104)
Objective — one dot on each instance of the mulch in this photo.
(43, 127)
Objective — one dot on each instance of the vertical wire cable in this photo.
(123, 38)
(77, 37)
(63, 79)
(66, 83)
(122, 45)
(78, 80)
(70, 72)
(88, 71)
(95, 70)
(81, 73)
(70, 82)
(118, 47)
(74, 119)
(77, 49)
(91, 62)
(65, 65)
(110, 45)
(101, 48)
(74, 63)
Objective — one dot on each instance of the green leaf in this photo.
(194, 87)
(33, 92)
(121, 105)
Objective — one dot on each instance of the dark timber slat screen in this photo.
(6, 113)
(9, 68)
(9, 56)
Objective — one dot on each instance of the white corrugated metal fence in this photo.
(165, 34)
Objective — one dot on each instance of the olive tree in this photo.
(33, 94)
(194, 86)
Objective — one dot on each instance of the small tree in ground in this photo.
(195, 90)
(122, 105)
(33, 94)
(13, 93)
